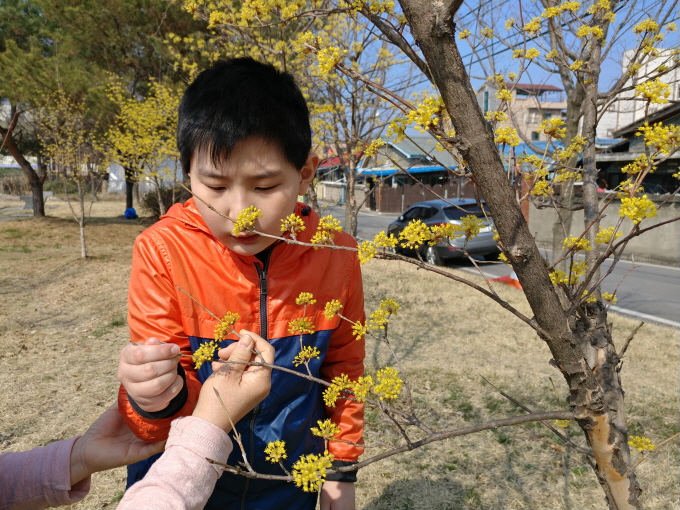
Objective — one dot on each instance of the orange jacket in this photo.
(179, 251)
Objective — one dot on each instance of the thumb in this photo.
(242, 352)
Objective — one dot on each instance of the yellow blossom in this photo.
(557, 277)
(654, 91)
(414, 234)
(373, 147)
(572, 6)
(533, 27)
(504, 94)
(381, 240)
(336, 389)
(496, 116)
(487, 32)
(507, 135)
(589, 298)
(577, 243)
(662, 138)
(301, 325)
(541, 188)
(309, 471)
(205, 352)
(276, 451)
(577, 65)
(305, 355)
(553, 128)
(552, 54)
(293, 224)
(245, 222)
(361, 387)
(638, 165)
(647, 25)
(641, 443)
(634, 68)
(637, 209)
(532, 53)
(332, 308)
(359, 330)
(607, 296)
(389, 305)
(586, 31)
(305, 298)
(328, 58)
(226, 325)
(563, 423)
(327, 429)
(378, 319)
(388, 384)
(464, 34)
(605, 235)
(366, 251)
(509, 23)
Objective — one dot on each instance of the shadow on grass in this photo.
(426, 494)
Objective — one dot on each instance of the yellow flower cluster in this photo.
(553, 128)
(359, 330)
(327, 429)
(328, 58)
(205, 352)
(533, 27)
(641, 443)
(646, 25)
(541, 188)
(637, 209)
(575, 147)
(293, 224)
(373, 147)
(605, 235)
(664, 139)
(639, 164)
(563, 423)
(496, 116)
(309, 471)
(509, 23)
(577, 243)
(388, 384)
(276, 451)
(307, 354)
(426, 115)
(564, 175)
(507, 135)
(325, 232)
(332, 308)
(464, 34)
(551, 55)
(530, 54)
(381, 240)
(226, 325)
(608, 296)
(414, 234)
(587, 31)
(576, 66)
(654, 91)
(337, 388)
(305, 298)
(589, 298)
(504, 94)
(367, 251)
(487, 32)
(245, 222)
(301, 325)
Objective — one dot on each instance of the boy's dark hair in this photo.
(239, 98)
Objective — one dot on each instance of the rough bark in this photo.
(580, 350)
(351, 199)
(35, 179)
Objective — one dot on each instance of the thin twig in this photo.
(629, 339)
(237, 436)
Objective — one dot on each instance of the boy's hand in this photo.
(108, 444)
(240, 386)
(337, 496)
(149, 373)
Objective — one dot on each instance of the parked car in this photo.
(440, 211)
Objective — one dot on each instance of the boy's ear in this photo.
(308, 172)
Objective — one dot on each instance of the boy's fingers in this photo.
(148, 371)
(153, 350)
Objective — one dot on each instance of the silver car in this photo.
(433, 212)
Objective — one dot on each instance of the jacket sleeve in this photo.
(346, 356)
(154, 311)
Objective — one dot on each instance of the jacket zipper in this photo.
(264, 326)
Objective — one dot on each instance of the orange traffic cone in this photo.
(511, 280)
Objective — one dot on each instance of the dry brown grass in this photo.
(62, 326)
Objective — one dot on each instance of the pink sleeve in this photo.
(182, 477)
(40, 478)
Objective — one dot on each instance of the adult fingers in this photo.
(242, 353)
(265, 349)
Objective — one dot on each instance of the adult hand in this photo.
(337, 496)
(107, 444)
(149, 373)
(241, 387)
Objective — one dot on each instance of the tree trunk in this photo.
(350, 198)
(82, 219)
(312, 197)
(35, 179)
(129, 186)
(597, 403)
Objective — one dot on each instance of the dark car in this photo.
(440, 211)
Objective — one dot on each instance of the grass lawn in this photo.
(62, 325)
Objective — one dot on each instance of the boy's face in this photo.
(256, 173)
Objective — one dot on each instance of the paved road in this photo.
(648, 291)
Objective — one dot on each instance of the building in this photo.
(531, 105)
(627, 109)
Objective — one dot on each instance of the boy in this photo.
(244, 139)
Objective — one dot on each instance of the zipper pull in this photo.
(263, 283)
